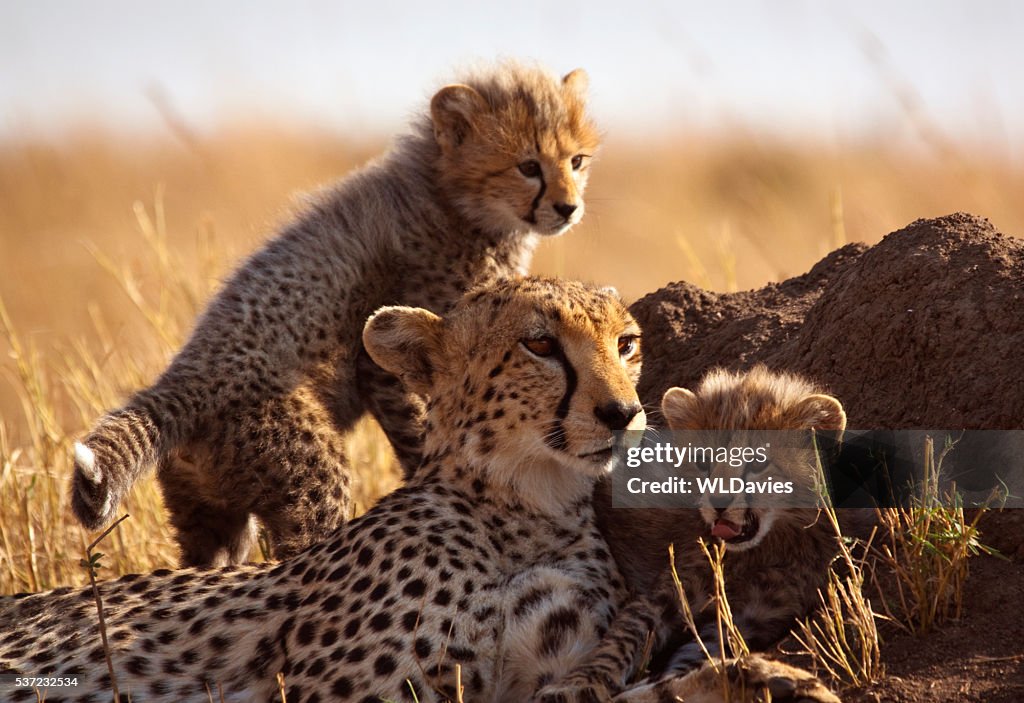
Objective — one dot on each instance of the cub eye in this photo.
(628, 344)
(757, 466)
(530, 169)
(576, 162)
(541, 346)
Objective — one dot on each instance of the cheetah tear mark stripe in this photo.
(556, 439)
(532, 217)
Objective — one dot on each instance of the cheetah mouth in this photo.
(731, 533)
(600, 456)
(549, 230)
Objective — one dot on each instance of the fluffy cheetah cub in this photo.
(777, 557)
(489, 558)
(247, 420)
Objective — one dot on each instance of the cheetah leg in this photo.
(210, 534)
(316, 502)
(281, 462)
(746, 680)
(303, 473)
(617, 656)
(400, 414)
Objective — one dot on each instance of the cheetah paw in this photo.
(751, 679)
(756, 674)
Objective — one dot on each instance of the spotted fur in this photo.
(489, 559)
(772, 575)
(247, 420)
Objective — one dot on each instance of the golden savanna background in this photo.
(127, 193)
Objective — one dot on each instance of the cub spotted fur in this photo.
(247, 420)
(777, 557)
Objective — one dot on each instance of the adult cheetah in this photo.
(486, 568)
(777, 551)
(247, 420)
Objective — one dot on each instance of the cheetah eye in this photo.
(628, 344)
(577, 161)
(530, 169)
(541, 346)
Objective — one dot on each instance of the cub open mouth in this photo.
(731, 533)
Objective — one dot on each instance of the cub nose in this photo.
(720, 502)
(617, 414)
(564, 209)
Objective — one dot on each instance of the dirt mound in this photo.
(924, 330)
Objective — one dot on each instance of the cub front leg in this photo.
(400, 414)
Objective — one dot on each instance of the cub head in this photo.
(516, 147)
(527, 382)
(728, 405)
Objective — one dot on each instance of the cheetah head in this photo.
(528, 382)
(756, 400)
(516, 146)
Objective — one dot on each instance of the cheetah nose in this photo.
(617, 414)
(564, 209)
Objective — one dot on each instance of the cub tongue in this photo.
(725, 529)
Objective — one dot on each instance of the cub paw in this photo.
(754, 674)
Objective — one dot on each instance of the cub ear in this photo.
(679, 407)
(406, 342)
(454, 109)
(577, 82)
(821, 412)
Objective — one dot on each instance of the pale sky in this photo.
(839, 70)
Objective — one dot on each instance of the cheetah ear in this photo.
(406, 342)
(679, 407)
(454, 109)
(820, 411)
(577, 82)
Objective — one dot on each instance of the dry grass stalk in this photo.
(731, 641)
(842, 636)
(280, 687)
(91, 564)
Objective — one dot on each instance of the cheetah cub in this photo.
(488, 562)
(246, 423)
(776, 557)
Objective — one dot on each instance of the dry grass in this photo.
(926, 548)
(841, 638)
(728, 635)
(915, 565)
(110, 246)
(64, 388)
